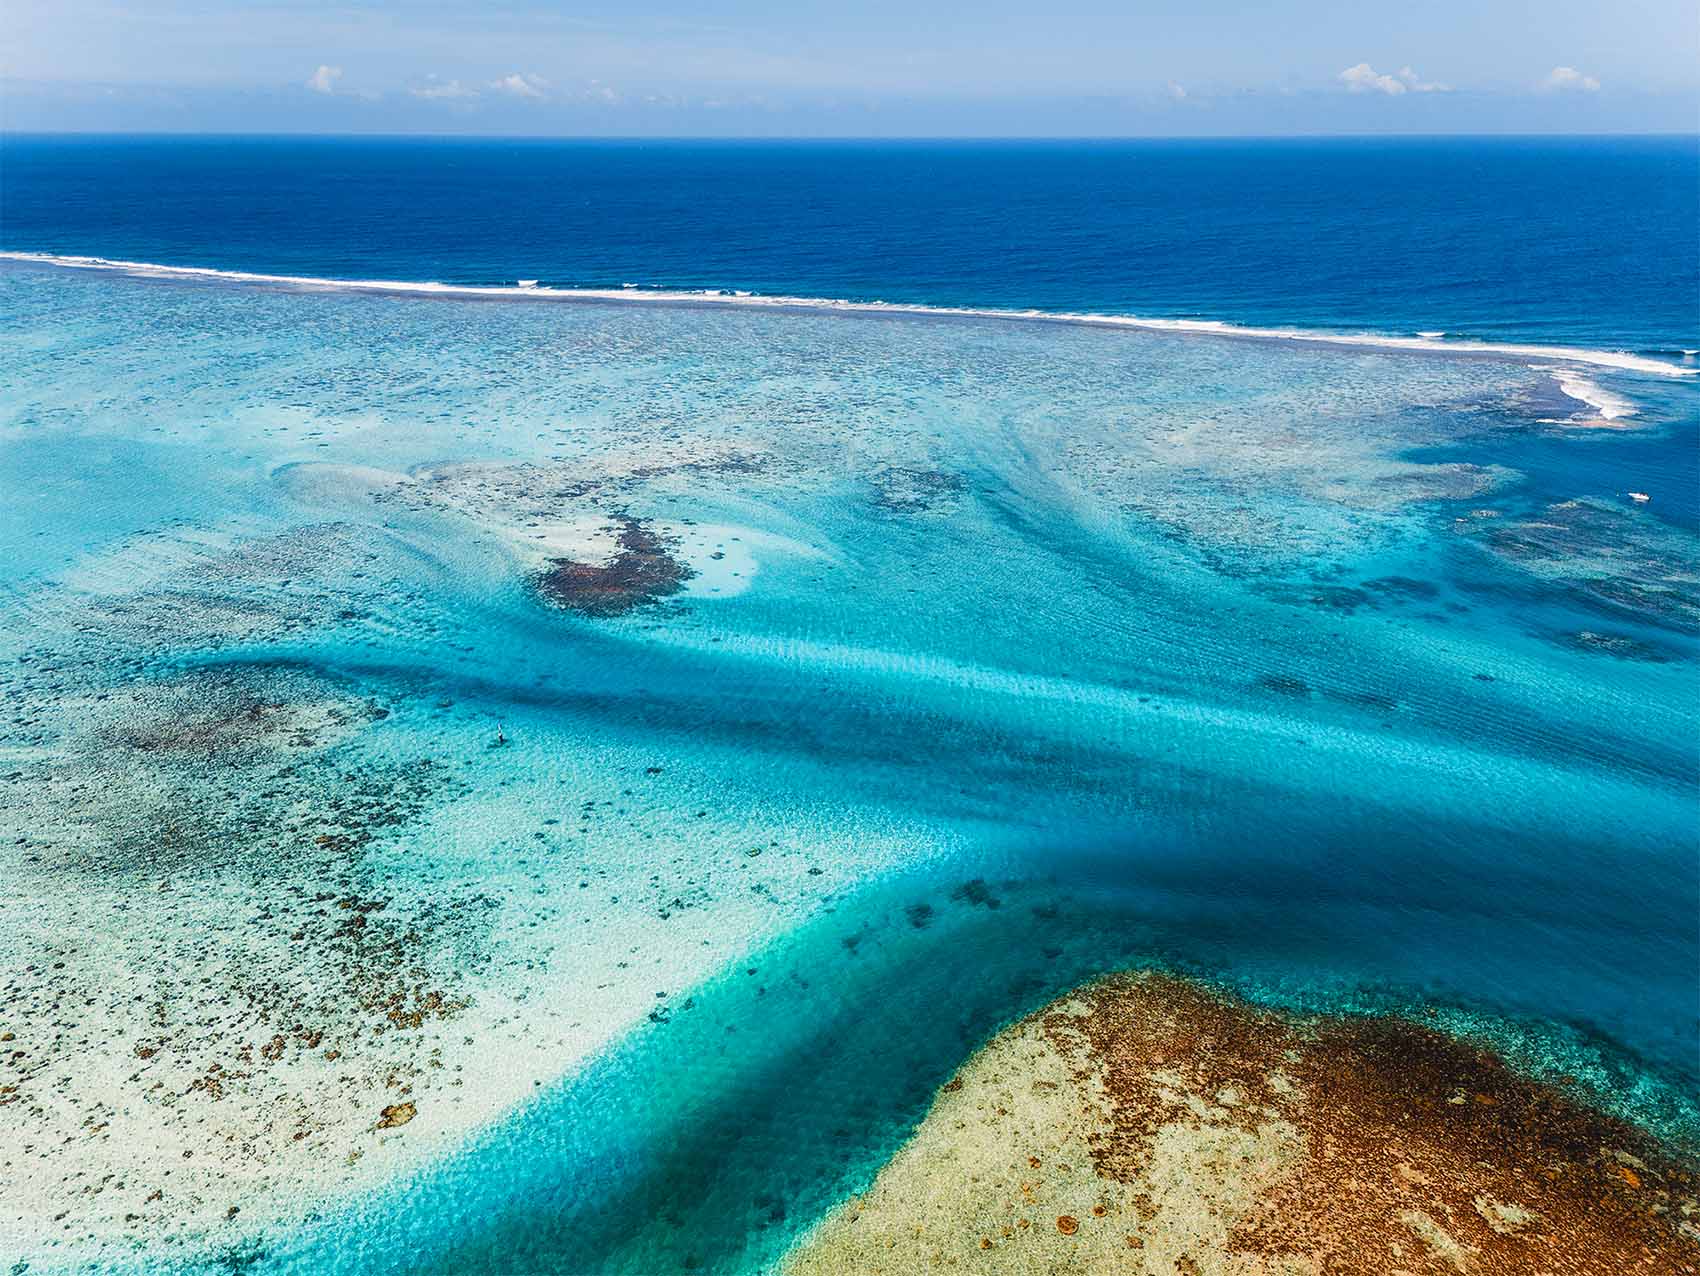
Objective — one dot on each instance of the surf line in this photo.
(531, 290)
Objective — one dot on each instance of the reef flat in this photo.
(480, 785)
(1146, 1124)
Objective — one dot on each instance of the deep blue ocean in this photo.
(1574, 241)
(984, 654)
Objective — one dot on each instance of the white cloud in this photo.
(1569, 79)
(324, 79)
(438, 92)
(1177, 92)
(1417, 85)
(1363, 78)
(521, 84)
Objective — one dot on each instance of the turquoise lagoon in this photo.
(1010, 651)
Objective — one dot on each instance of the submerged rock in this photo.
(396, 1114)
(1612, 560)
(642, 571)
(1157, 1126)
(1623, 646)
(1283, 685)
(903, 490)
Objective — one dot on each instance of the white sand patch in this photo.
(321, 484)
(206, 1028)
(1000, 1178)
(592, 538)
(726, 557)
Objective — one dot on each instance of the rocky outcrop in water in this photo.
(1144, 1124)
(642, 571)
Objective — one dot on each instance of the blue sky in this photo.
(868, 68)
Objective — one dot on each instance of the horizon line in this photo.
(425, 135)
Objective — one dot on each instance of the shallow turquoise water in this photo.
(1351, 678)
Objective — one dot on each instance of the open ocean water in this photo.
(989, 651)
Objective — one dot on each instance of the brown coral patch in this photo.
(1420, 1153)
(643, 571)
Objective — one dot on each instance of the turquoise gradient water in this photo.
(1352, 678)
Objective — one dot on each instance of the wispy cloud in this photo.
(1363, 78)
(1567, 79)
(1177, 91)
(324, 79)
(443, 92)
(522, 84)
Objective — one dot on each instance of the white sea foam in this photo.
(1619, 359)
(1608, 406)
